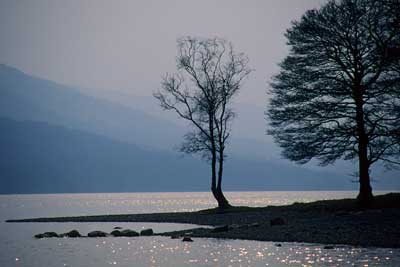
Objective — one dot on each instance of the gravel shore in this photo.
(327, 222)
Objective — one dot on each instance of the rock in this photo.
(146, 232)
(187, 239)
(39, 236)
(47, 235)
(129, 233)
(278, 245)
(329, 247)
(50, 234)
(117, 228)
(73, 233)
(277, 221)
(219, 229)
(97, 234)
(116, 233)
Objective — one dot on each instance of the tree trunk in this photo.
(365, 196)
(216, 189)
(214, 176)
(223, 203)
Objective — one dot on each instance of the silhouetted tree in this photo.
(338, 92)
(209, 75)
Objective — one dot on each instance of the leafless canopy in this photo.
(209, 74)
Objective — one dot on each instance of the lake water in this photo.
(19, 248)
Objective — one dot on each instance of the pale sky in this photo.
(129, 45)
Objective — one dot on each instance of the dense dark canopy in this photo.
(338, 92)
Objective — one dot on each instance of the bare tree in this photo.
(209, 74)
(338, 92)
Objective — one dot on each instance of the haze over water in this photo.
(19, 248)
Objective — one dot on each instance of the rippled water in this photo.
(18, 248)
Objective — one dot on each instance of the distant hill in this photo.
(248, 139)
(54, 138)
(24, 97)
(40, 158)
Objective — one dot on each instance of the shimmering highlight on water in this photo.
(18, 248)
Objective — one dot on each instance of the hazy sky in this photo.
(129, 45)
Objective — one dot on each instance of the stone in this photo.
(129, 233)
(277, 221)
(117, 228)
(116, 233)
(50, 234)
(278, 245)
(146, 232)
(97, 234)
(187, 239)
(47, 235)
(73, 233)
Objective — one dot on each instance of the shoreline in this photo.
(325, 222)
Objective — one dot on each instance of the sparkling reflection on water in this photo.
(18, 248)
(22, 206)
(162, 251)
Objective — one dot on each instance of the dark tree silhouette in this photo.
(338, 92)
(209, 74)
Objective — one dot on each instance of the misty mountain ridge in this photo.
(24, 97)
(42, 158)
(123, 137)
(248, 140)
